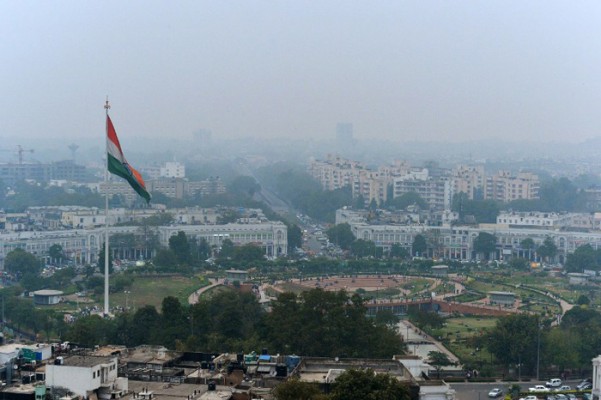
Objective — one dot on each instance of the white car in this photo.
(496, 392)
(538, 389)
(554, 383)
(563, 388)
(529, 398)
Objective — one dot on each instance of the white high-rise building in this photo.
(173, 169)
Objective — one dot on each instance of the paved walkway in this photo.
(193, 298)
(420, 343)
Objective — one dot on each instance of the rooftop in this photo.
(86, 361)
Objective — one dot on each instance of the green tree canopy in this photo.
(295, 389)
(341, 235)
(295, 237)
(363, 248)
(339, 321)
(55, 252)
(244, 184)
(514, 340)
(249, 253)
(22, 262)
(419, 246)
(180, 246)
(548, 249)
(398, 251)
(485, 243)
(584, 257)
(365, 384)
(438, 360)
(406, 200)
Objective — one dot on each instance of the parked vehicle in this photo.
(529, 398)
(553, 383)
(584, 385)
(563, 388)
(539, 389)
(496, 392)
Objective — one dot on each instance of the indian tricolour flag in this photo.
(117, 164)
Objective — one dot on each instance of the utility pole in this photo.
(538, 326)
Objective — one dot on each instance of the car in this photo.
(584, 385)
(529, 398)
(496, 392)
(539, 389)
(563, 388)
(553, 383)
(571, 396)
(561, 396)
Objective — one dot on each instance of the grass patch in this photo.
(152, 289)
(214, 291)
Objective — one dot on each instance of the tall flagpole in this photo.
(107, 107)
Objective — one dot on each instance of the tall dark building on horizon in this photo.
(344, 132)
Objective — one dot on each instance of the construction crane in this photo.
(20, 151)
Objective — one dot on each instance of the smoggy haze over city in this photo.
(398, 70)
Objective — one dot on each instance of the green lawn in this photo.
(459, 334)
(151, 290)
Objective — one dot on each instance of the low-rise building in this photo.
(47, 297)
(86, 376)
(506, 299)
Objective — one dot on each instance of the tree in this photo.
(438, 359)
(484, 211)
(365, 384)
(408, 199)
(485, 243)
(363, 248)
(227, 250)
(341, 235)
(295, 238)
(548, 249)
(398, 251)
(21, 262)
(55, 252)
(419, 246)
(180, 246)
(514, 340)
(295, 389)
(244, 185)
(583, 300)
(519, 264)
(339, 321)
(529, 245)
(248, 253)
(145, 324)
(166, 258)
(387, 318)
(584, 257)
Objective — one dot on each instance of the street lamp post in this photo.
(538, 351)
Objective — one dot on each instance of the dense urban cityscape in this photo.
(294, 200)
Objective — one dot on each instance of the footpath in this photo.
(193, 298)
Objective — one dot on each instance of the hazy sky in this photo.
(398, 70)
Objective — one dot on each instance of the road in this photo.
(479, 391)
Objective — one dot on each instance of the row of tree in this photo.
(231, 321)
